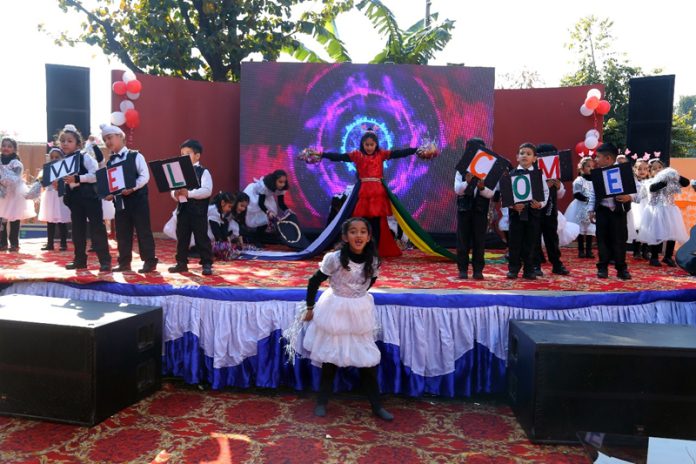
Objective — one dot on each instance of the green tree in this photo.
(200, 39)
(687, 107)
(683, 136)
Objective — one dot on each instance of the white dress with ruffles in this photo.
(343, 329)
(13, 205)
(52, 209)
(578, 211)
(662, 219)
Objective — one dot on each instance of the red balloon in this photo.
(581, 149)
(132, 118)
(591, 102)
(119, 88)
(134, 86)
(603, 107)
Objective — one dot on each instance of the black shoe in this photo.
(511, 275)
(623, 275)
(47, 247)
(91, 250)
(581, 254)
(178, 268)
(3, 247)
(669, 261)
(560, 270)
(320, 410)
(381, 413)
(655, 262)
(73, 265)
(478, 275)
(207, 270)
(463, 275)
(106, 267)
(645, 254)
(13, 249)
(63, 248)
(122, 268)
(602, 274)
(588, 254)
(148, 266)
(538, 272)
(529, 275)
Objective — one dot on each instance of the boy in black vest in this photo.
(192, 213)
(472, 220)
(132, 206)
(610, 216)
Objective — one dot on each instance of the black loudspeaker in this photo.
(571, 376)
(76, 361)
(650, 107)
(67, 99)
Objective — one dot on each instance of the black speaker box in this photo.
(650, 106)
(76, 361)
(570, 376)
(67, 98)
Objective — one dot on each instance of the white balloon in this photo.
(133, 96)
(594, 93)
(585, 111)
(118, 118)
(128, 76)
(591, 142)
(594, 133)
(126, 105)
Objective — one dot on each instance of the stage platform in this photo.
(438, 334)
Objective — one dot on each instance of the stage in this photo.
(439, 335)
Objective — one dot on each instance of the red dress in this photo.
(372, 197)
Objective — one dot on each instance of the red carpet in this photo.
(414, 270)
(231, 427)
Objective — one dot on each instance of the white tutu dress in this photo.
(578, 211)
(52, 208)
(342, 331)
(635, 215)
(255, 216)
(662, 220)
(13, 205)
(567, 231)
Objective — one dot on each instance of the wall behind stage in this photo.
(542, 116)
(173, 110)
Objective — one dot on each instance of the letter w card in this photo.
(613, 180)
(60, 168)
(112, 180)
(174, 173)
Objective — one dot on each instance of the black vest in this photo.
(86, 190)
(192, 205)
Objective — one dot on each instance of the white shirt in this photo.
(204, 191)
(460, 186)
(140, 166)
(90, 177)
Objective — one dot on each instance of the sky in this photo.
(507, 35)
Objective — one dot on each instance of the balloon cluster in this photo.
(593, 105)
(131, 88)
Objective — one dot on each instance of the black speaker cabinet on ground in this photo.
(570, 376)
(76, 361)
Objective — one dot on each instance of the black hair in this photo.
(269, 180)
(369, 135)
(370, 250)
(546, 148)
(220, 198)
(528, 145)
(76, 133)
(477, 140)
(239, 198)
(608, 148)
(193, 144)
(11, 140)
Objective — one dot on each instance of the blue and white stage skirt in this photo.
(448, 344)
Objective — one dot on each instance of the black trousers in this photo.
(524, 235)
(14, 234)
(612, 235)
(190, 222)
(88, 209)
(376, 232)
(51, 232)
(549, 231)
(471, 236)
(368, 379)
(134, 217)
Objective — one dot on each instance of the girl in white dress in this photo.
(662, 221)
(266, 201)
(14, 207)
(578, 212)
(342, 324)
(53, 211)
(641, 173)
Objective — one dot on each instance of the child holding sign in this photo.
(609, 214)
(525, 220)
(53, 211)
(132, 206)
(472, 219)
